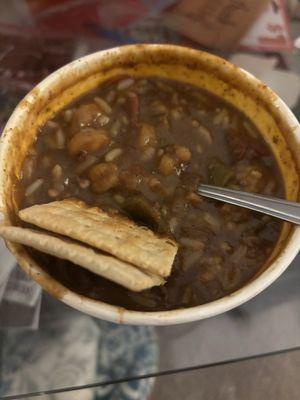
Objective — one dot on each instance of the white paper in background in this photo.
(21, 289)
(16, 316)
(7, 262)
(21, 300)
(285, 83)
(270, 32)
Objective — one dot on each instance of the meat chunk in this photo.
(131, 179)
(86, 115)
(174, 159)
(88, 140)
(146, 136)
(249, 177)
(167, 165)
(104, 176)
(182, 153)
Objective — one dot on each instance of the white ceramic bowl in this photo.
(272, 117)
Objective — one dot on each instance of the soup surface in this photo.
(141, 146)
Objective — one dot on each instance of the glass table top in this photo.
(50, 349)
(71, 350)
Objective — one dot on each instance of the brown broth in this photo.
(155, 140)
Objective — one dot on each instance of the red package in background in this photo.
(39, 36)
(46, 34)
(89, 16)
(270, 32)
(218, 25)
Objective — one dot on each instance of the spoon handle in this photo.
(283, 209)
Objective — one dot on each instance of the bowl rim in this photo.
(112, 313)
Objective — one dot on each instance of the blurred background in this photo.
(39, 36)
(36, 38)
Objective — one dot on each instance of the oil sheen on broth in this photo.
(140, 146)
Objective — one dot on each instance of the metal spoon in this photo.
(283, 209)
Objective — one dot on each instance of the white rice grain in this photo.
(113, 154)
(115, 128)
(103, 105)
(68, 115)
(60, 139)
(192, 243)
(206, 135)
(33, 187)
(84, 165)
(125, 84)
(52, 124)
(57, 171)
